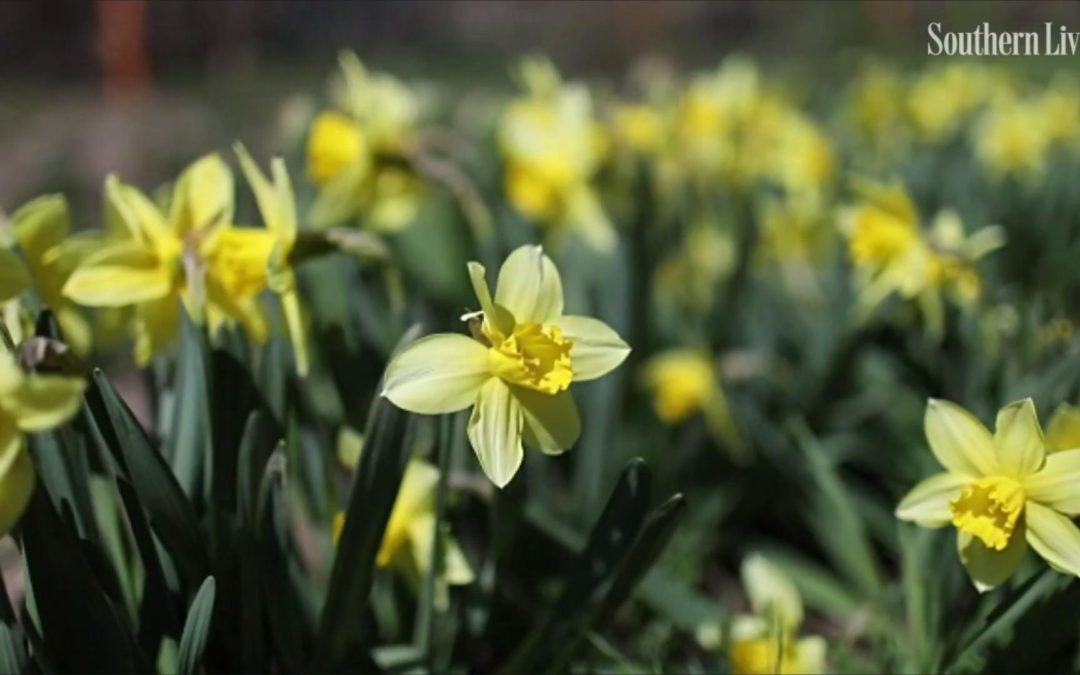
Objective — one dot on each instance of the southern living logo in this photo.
(983, 41)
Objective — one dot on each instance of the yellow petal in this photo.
(340, 199)
(1063, 431)
(771, 593)
(43, 401)
(75, 328)
(585, 213)
(334, 144)
(41, 224)
(437, 374)
(1054, 536)
(297, 329)
(121, 275)
(275, 200)
(597, 348)
(495, 432)
(14, 279)
(927, 504)
(1018, 439)
(16, 477)
(959, 441)
(148, 220)
(456, 566)
(204, 195)
(157, 325)
(810, 655)
(988, 567)
(552, 424)
(529, 286)
(497, 318)
(1057, 485)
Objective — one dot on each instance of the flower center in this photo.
(989, 509)
(533, 356)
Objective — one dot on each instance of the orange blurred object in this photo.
(122, 32)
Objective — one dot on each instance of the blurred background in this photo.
(132, 87)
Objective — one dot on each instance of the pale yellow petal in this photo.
(297, 329)
(204, 195)
(529, 286)
(772, 594)
(157, 325)
(275, 199)
(437, 374)
(927, 504)
(1054, 536)
(1018, 439)
(987, 567)
(43, 401)
(1057, 485)
(16, 477)
(498, 318)
(41, 224)
(959, 441)
(1063, 431)
(810, 655)
(14, 278)
(495, 432)
(552, 424)
(597, 348)
(119, 276)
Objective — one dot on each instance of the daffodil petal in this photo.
(1063, 431)
(1018, 439)
(156, 324)
(1057, 485)
(456, 566)
(41, 224)
(294, 323)
(496, 317)
(14, 279)
(771, 593)
(959, 441)
(204, 195)
(552, 424)
(530, 286)
(495, 432)
(597, 348)
(437, 374)
(810, 654)
(147, 218)
(989, 568)
(927, 504)
(16, 477)
(1054, 536)
(124, 274)
(43, 401)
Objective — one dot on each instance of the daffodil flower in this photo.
(409, 540)
(42, 229)
(1001, 491)
(28, 403)
(765, 641)
(278, 208)
(14, 277)
(192, 254)
(1063, 430)
(515, 370)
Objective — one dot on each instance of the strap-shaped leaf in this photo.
(190, 445)
(171, 515)
(197, 628)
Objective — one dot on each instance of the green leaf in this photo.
(81, 629)
(171, 515)
(378, 477)
(197, 628)
(13, 655)
(190, 443)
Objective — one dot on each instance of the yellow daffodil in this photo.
(193, 254)
(14, 277)
(892, 254)
(357, 157)
(710, 114)
(28, 403)
(42, 229)
(941, 99)
(552, 147)
(409, 540)
(639, 128)
(516, 369)
(1003, 492)
(689, 277)
(1012, 139)
(274, 245)
(765, 642)
(1063, 431)
(1059, 111)
(873, 112)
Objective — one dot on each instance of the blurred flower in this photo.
(552, 147)
(1063, 431)
(193, 254)
(29, 402)
(765, 642)
(515, 370)
(409, 541)
(638, 127)
(689, 277)
(265, 255)
(1011, 139)
(14, 277)
(874, 113)
(942, 98)
(42, 229)
(1002, 492)
(358, 157)
(892, 254)
(684, 382)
